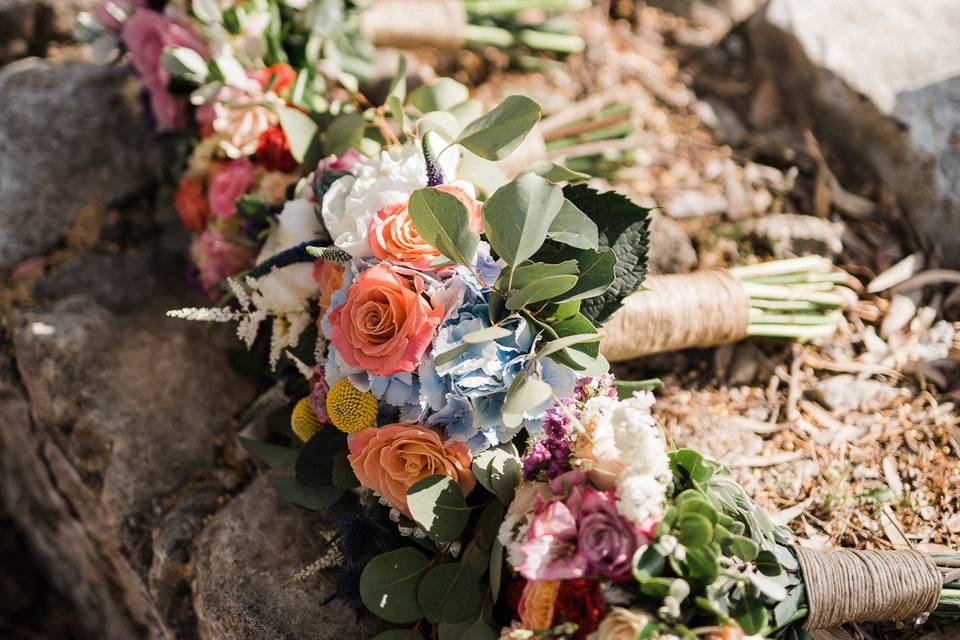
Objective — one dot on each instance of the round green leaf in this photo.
(437, 505)
(702, 566)
(742, 547)
(694, 530)
(751, 615)
(518, 215)
(313, 498)
(767, 564)
(524, 395)
(450, 593)
(389, 582)
(442, 220)
(495, 135)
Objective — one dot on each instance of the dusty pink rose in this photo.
(605, 538)
(344, 162)
(217, 257)
(228, 185)
(386, 323)
(391, 459)
(146, 34)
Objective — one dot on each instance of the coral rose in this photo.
(391, 459)
(386, 323)
(191, 204)
(228, 185)
(278, 77)
(329, 276)
(393, 236)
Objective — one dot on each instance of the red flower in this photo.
(581, 602)
(273, 151)
(191, 204)
(283, 76)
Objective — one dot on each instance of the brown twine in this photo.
(848, 585)
(408, 24)
(702, 309)
(533, 149)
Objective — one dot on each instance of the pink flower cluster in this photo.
(578, 533)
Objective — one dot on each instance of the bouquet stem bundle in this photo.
(451, 24)
(791, 299)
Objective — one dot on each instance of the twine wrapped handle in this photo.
(702, 309)
(407, 24)
(848, 585)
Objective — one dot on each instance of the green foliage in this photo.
(574, 227)
(440, 95)
(313, 498)
(442, 220)
(300, 130)
(270, 454)
(518, 215)
(623, 227)
(450, 593)
(438, 506)
(314, 465)
(389, 582)
(496, 134)
(499, 469)
(525, 394)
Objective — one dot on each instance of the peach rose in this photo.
(473, 207)
(191, 204)
(329, 276)
(597, 454)
(391, 459)
(621, 624)
(386, 323)
(393, 236)
(537, 604)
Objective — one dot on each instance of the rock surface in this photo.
(118, 459)
(27, 27)
(245, 587)
(65, 132)
(880, 81)
(715, 16)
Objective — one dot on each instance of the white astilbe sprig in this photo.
(205, 314)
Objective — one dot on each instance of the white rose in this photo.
(352, 201)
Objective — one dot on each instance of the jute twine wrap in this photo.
(407, 24)
(533, 149)
(846, 585)
(703, 309)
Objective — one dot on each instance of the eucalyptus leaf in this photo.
(499, 470)
(442, 220)
(496, 568)
(573, 227)
(450, 593)
(556, 172)
(270, 454)
(496, 134)
(314, 465)
(702, 565)
(562, 343)
(300, 130)
(313, 498)
(518, 215)
(546, 288)
(450, 355)
(694, 530)
(530, 272)
(750, 614)
(525, 394)
(486, 335)
(389, 582)
(344, 132)
(767, 564)
(185, 63)
(597, 274)
(626, 388)
(440, 95)
(438, 506)
(742, 547)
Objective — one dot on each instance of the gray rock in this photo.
(880, 82)
(27, 27)
(115, 423)
(670, 249)
(65, 132)
(246, 561)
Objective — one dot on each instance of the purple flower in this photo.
(605, 538)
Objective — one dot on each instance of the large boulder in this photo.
(716, 17)
(28, 26)
(65, 144)
(880, 82)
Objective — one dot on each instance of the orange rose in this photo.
(537, 604)
(392, 236)
(191, 204)
(329, 276)
(393, 458)
(386, 323)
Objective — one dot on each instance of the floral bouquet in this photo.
(449, 408)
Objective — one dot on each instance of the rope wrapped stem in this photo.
(702, 309)
(848, 585)
(407, 24)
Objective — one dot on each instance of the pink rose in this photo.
(393, 458)
(146, 34)
(228, 185)
(344, 162)
(217, 257)
(605, 538)
(386, 323)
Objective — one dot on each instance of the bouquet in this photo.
(449, 408)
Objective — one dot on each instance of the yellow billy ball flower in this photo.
(304, 421)
(350, 409)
